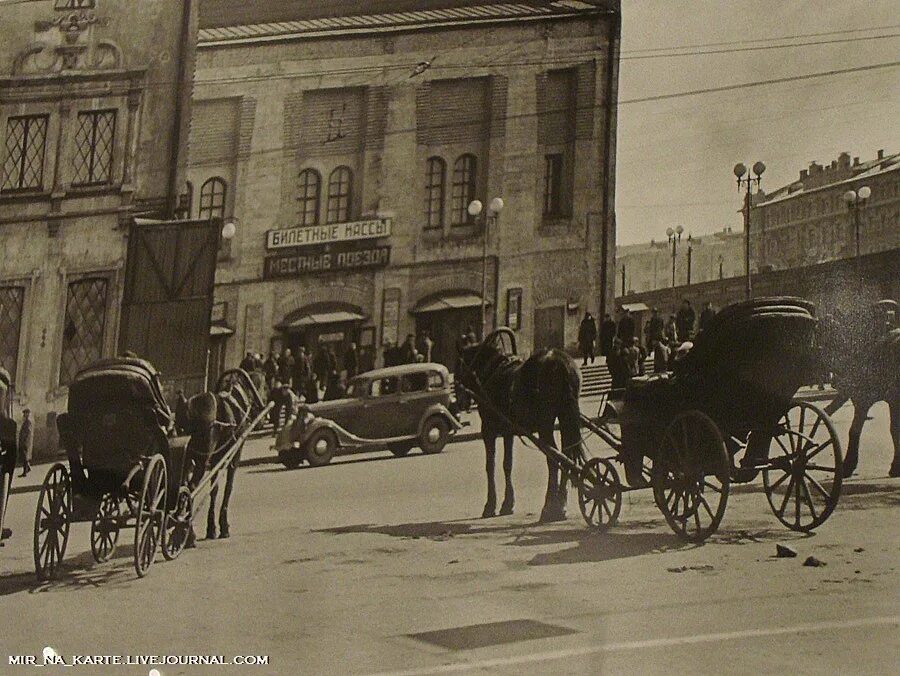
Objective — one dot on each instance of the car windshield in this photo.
(414, 382)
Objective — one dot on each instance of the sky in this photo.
(675, 156)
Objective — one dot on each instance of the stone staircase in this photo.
(595, 378)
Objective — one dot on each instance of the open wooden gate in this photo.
(168, 297)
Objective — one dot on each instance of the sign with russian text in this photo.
(328, 234)
(299, 263)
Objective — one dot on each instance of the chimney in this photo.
(881, 154)
(855, 161)
(844, 160)
(804, 174)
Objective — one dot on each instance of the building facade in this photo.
(347, 141)
(649, 265)
(809, 222)
(92, 106)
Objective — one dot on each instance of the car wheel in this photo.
(320, 447)
(291, 458)
(400, 449)
(435, 434)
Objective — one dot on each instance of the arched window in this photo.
(212, 198)
(310, 189)
(340, 187)
(465, 173)
(435, 172)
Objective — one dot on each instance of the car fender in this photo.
(444, 412)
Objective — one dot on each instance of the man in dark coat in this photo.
(587, 334)
(286, 367)
(351, 361)
(625, 330)
(302, 373)
(320, 366)
(654, 330)
(8, 449)
(248, 363)
(707, 315)
(607, 333)
(270, 369)
(408, 350)
(26, 442)
(684, 319)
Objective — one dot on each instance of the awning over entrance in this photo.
(216, 330)
(450, 301)
(318, 318)
(635, 307)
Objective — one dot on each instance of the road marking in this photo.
(647, 643)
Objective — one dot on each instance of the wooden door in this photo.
(549, 327)
(169, 278)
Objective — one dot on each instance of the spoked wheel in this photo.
(177, 525)
(105, 528)
(51, 522)
(151, 511)
(691, 476)
(803, 480)
(600, 494)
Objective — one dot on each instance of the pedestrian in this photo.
(283, 403)
(706, 316)
(26, 442)
(334, 389)
(654, 329)
(286, 367)
(661, 356)
(587, 334)
(320, 365)
(408, 350)
(671, 332)
(607, 333)
(625, 329)
(351, 361)
(685, 320)
(424, 345)
(8, 450)
(617, 365)
(632, 356)
(248, 363)
(302, 372)
(270, 369)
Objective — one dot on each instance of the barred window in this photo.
(85, 322)
(212, 198)
(310, 192)
(11, 303)
(435, 172)
(26, 137)
(339, 194)
(94, 140)
(553, 169)
(465, 172)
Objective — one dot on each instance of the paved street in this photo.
(335, 570)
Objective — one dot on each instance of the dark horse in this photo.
(862, 351)
(532, 395)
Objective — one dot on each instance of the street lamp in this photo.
(721, 263)
(229, 229)
(674, 237)
(690, 251)
(740, 170)
(856, 200)
(494, 208)
(623, 279)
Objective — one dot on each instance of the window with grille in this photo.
(435, 172)
(11, 303)
(212, 199)
(464, 180)
(553, 169)
(339, 194)
(310, 190)
(85, 322)
(26, 138)
(94, 139)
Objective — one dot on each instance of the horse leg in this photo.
(509, 497)
(570, 432)
(552, 510)
(895, 433)
(194, 476)
(224, 531)
(860, 410)
(490, 453)
(211, 514)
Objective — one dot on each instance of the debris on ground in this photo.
(859, 549)
(813, 562)
(453, 561)
(785, 552)
(684, 569)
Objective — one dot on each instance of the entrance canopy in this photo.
(448, 301)
(635, 307)
(317, 318)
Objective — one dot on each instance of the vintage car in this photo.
(395, 408)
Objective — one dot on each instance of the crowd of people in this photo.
(16, 441)
(626, 351)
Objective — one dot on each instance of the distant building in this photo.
(648, 266)
(348, 138)
(90, 94)
(808, 221)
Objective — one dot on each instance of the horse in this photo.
(862, 352)
(531, 395)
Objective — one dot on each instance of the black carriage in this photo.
(725, 414)
(127, 469)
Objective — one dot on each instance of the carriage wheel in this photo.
(105, 528)
(691, 476)
(151, 511)
(600, 494)
(177, 525)
(51, 522)
(803, 481)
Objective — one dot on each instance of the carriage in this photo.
(127, 469)
(725, 414)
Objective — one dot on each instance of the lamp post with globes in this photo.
(856, 200)
(740, 171)
(475, 209)
(674, 237)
